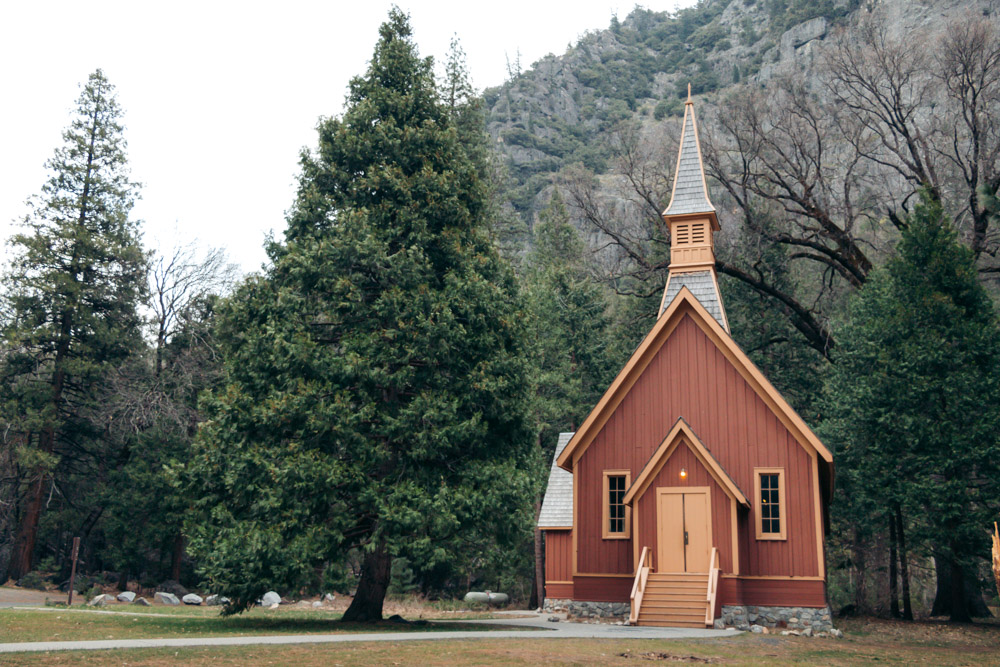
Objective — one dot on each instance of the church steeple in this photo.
(691, 219)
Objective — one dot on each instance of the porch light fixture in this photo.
(684, 473)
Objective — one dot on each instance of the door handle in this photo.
(685, 538)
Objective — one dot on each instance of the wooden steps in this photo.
(674, 600)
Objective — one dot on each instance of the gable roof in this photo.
(685, 304)
(557, 505)
(704, 288)
(681, 432)
(690, 193)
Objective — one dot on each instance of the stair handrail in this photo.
(639, 586)
(713, 586)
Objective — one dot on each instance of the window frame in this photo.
(606, 506)
(782, 504)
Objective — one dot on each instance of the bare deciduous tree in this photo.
(180, 279)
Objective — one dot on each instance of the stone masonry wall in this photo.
(581, 609)
(800, 620)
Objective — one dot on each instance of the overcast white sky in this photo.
(220, 96)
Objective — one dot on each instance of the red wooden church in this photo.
(692, 490)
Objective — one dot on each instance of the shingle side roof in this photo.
(702, 286)
(557, 506)
(689, 195)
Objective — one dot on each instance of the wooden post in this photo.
(72, 572)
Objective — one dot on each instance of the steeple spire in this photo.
(691, 219)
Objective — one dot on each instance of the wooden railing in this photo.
(639, 587)
(713, 586)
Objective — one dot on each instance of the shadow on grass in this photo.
(277, 625)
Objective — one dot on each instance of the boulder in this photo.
(216, 600)
(757, 629)
(192, 599)
(126, 596)
(317, 604)
(98, 601)
(329, 597)
(837, 633)
(270, 599)
(142, 602)
(166, 598)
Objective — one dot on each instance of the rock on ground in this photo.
(126, 596)
(98, 601)
(166, 598)
(142, 602)
(192, 599)
(270, 599)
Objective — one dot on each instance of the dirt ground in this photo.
(11, 596)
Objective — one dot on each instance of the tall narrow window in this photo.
(772, 508)
(616, 515)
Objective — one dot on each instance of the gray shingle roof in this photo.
(702, 286)
(557, 506)
(689, 195)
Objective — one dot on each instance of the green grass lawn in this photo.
(54, 624)
(923, 647)
(867, 641)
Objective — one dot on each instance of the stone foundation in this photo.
(583, 609)
(804, 620)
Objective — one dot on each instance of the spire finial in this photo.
(689, 95)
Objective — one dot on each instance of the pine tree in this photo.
(914, 399)
(375, 392)
(77, 277)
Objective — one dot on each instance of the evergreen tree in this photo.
(570, 326)
(914, 399)
(375, 393)
(77, 277)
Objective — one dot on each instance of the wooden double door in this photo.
(683, 529)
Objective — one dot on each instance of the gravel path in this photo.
(534, 628)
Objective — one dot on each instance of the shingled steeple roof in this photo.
(690, 193)
(692, 222)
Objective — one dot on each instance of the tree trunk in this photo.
(178, 556)
(861, 586)
(975, 607)
(893, 574)
(959, 605)
(367, 604)
(538, 590)
(27, 532)
(942, 598)
(904, 569)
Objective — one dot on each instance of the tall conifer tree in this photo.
(914, 400)
(77, 277)
(375, 392)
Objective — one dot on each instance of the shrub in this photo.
(33, 580)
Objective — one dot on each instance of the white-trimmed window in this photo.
(772, 505)
(616, 516)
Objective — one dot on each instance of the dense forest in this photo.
(462, 275)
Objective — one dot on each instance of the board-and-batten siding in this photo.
(669, 475)
(689, 377)
(558, 555)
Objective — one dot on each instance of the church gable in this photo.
(708, 349)
(688, 375)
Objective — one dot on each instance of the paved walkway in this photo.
(561, 630)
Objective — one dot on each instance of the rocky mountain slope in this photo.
(562, 111)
